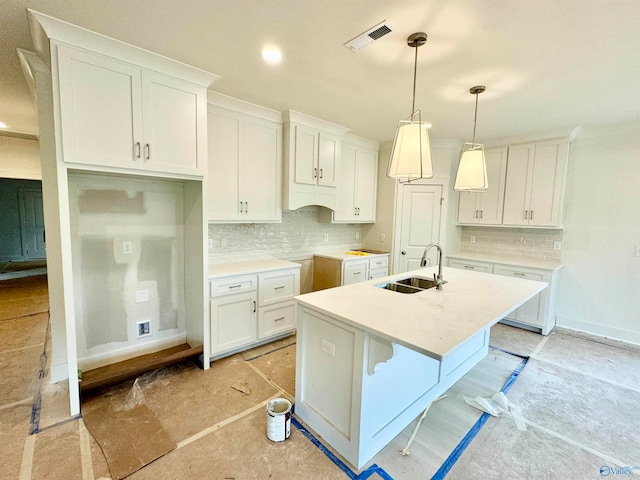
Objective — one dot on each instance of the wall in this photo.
(600, 281)
(20, 158)
(515, 243)
(10, 234)
(299, 236)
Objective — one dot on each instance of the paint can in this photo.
(278, 419)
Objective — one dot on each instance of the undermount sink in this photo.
(409, 285)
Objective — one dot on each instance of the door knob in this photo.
(403, 252)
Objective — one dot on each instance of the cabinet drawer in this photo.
(276, 319)
(354, 272)
(519, 273)
(229, 285)
(277, 286)
(471, 265)
(379, 262)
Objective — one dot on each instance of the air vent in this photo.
(365, 38)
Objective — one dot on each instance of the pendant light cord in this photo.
(415, 69)
(475, 119)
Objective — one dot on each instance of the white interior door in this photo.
(32, 219)
(420, 217)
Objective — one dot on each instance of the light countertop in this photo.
(344, 256)
(516, 262)
(249, 266)
(432, 322)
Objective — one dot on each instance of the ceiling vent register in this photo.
(365, 38)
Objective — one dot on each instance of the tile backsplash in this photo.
(515, 243)
(300, 235)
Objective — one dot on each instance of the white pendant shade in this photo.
(411, 153)
(472, 170)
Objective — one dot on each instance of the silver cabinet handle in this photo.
(358, 211)
(315, 173)
(254, 305)
(241, 206)
(147, 151)
(355, 211)
(235, 286)
(519, 274)
(320, 173)
(278, 319)
(526, 214)
(469, 267)
(356, 273)
(531, 215)
(480, 213)
(278, 288)
(476, 214)
(246, 207)
(137, 149)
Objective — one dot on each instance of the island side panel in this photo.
(329, 380)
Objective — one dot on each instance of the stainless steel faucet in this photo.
(423, 263)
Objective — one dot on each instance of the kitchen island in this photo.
(370, 360)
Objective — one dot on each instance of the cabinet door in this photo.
(491, 201)
(276, 319)
(306, 155)
(468, 211)
(354, 272)
(517, 190)
(100, 109)
(366, 183)
(174, 124)
(224, 164)
(261, 170)
(346, 194)
(547, 180)
(529, 312)
(233, 321)
(328, 159)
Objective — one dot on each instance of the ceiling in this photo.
(547, 64)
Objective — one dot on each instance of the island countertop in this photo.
(432, 322)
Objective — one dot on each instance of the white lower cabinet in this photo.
(537, 314)
(252, 308)
(334, 270)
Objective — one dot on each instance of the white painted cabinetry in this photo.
(485, 208)
(253, 307)
(535, 184)
(539, 312)
(356, 196)
(312, 155)
(116, 114)
(334, 270)
(245, 167)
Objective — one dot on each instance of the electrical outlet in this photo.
(127, 248)
(382, 237)
(557, 245)
(144, 328)
(326, 237)
(357, 235)
(142, 296)
(329, 348)
(473, 239)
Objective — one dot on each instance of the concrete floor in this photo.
(579, 396)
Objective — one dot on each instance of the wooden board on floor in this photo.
(121, 371)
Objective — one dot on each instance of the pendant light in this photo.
(472, 170)
(411, 152)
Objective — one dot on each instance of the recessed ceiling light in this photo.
(3, 125)
(272, 55)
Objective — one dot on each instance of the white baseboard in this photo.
(607, 331)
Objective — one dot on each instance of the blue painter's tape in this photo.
(337, 462)
(471, 434)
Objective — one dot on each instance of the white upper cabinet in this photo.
(312, 155)
(485, 208)
(245, 167)
(115, 114)
(535, 184)
(356, 197)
